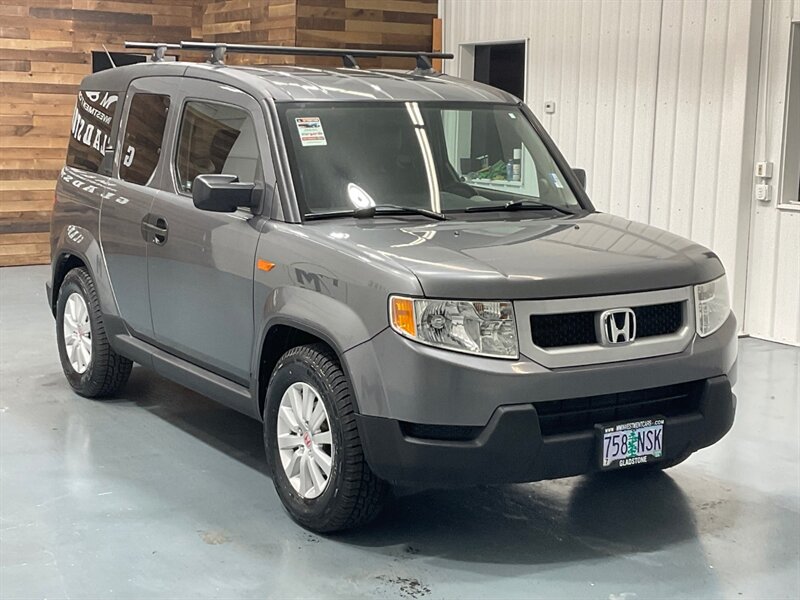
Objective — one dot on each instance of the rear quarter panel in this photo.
(74, 228)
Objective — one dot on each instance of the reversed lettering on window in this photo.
(91, 129)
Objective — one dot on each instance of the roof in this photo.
(310, 84)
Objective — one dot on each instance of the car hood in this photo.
(519, 257)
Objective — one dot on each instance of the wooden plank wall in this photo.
(389, 24)
(251, 22)
(45, 51)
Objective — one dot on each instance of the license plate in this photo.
(630, 443)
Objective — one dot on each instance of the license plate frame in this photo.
(613, 438)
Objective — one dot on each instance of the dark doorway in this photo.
(101, 62)
(502, 66)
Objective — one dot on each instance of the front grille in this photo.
(581, 414)
(578, 328)
(658, 319)
(565, 329)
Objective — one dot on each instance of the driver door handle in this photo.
(155, 229)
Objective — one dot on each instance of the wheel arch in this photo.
(77, 246)
(63, 263)
(281, 335)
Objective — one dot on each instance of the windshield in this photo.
(443, 157)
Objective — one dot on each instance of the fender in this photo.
(319, 315)
(331, 318)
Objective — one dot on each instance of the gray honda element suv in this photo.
(397, 272)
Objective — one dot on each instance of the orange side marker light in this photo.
(265, 265)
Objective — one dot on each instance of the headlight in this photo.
(484, 328)
(712, 305)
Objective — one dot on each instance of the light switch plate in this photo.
(764, 170)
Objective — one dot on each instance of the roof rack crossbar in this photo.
(348, 55)
(159, 49)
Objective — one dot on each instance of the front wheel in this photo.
(312, 443)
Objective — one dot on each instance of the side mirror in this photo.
(221, 193)
(581, 175)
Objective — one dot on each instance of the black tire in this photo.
(107, 371)
(354, 495)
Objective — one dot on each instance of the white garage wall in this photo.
(773, 288)
(704, 128)
(655, 99)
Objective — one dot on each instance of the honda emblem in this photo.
(618, 326)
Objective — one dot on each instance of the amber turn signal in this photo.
(402, 310)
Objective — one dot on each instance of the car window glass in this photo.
(442, 156)
(92, 121)
(487, 152)
(216, 139)
(144, 133)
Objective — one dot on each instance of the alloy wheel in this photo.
(77, 332)
(305, 442)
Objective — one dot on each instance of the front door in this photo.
(200, 263)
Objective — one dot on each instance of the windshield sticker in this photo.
(310, 131)
(556, 181)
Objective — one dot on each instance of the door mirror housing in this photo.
(221, 193)
(581, 175)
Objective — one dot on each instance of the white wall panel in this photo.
(703, 129)
(598, 61)
(773, 290)
(655, 99)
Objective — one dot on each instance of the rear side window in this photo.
(92, 122)
(144, 133)
(215, 139)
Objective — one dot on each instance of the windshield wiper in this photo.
(379, 210)
(519, 205)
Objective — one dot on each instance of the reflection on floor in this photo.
(163, 494)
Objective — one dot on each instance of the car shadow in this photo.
(540, 523)
(224, 429)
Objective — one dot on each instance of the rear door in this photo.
(201, 271)
(137, 169)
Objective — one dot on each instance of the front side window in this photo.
(437, 156)
(92, 121)
(144, 132)
(216, 139)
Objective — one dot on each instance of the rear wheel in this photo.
(312, 443)
(92, 368)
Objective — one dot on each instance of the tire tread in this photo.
(362, 492)
(110, 371)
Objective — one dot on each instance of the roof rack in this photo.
(348, 55)
(159, 49)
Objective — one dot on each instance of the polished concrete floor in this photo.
(163, 494)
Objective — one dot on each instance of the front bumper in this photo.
(398, 383)
(511, 447)
(396, 378)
